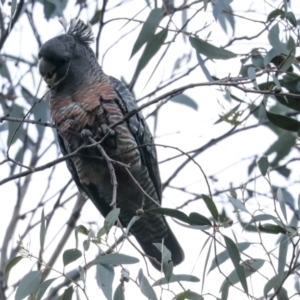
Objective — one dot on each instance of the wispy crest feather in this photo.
(81, 31)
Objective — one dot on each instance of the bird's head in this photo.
(66, 55)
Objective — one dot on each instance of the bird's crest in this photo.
(79, 30)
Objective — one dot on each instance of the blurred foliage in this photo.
(265, 92)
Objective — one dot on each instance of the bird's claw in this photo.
(105, 129)
(85, 133)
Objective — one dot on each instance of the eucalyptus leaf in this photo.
(224, 255)
(281, 201)
(28, 285)
(238, 204)
(15, 129)
(250, 267)
(148, 29)
(105, 276)
(71, 255)
(145, 286)
(43, 287)
(209, 50)
(116, 259)
(275, 41)
(111, 218)
(176, 278)
(283, 248)
(119, 293)
(263, 165)
(234, 255)
(211, 206)
(151, 49)
(11, 264)
(283, 122)
(185, 100)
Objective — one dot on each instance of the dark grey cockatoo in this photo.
(83, 98)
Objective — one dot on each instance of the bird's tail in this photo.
(170, 242)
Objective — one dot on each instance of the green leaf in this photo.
(28, 285)
(49, 9)
(82, 229)
(288, 102)
(252, 75)
(132, 221)
(287, 63)
(68, 293)
(257, 60)
(188, 294)
(13, 7)
(11, 264)
(71, 255)
(270, 228)
(42, 230)
(291, 18)
(224, 255)
(111, 218)
(238, 204)
(211, 206)
(234, 255)
(281, 147)
(272, 283)
(192, 219)
(174, 213)
(225, 18)
(176, 278)
(281, 202)
(275, 13)
(283, 248)
(283, 122)
(151, 49)
(116, 259)
(250, 267)
(41, 112)
(59, 5)
(182, 296)
(96, 17)
(86, 245)
(166, 260)
(119, 293)
(4, 71)
(148, 29)
(209, 50)
(203, 67)
(275, 41)
(259, 218)
(105, 276)
(263, 165)
(185, 100)
(197, 219)
(14, 128)
(145, 287)
(43, 287)
(230, 117)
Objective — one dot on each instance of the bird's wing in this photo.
(140, 131)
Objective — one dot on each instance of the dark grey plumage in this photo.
(83, 97)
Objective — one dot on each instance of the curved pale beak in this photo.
(48, 71)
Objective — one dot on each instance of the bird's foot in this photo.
(109, 135)
(106, 130)
(85, 134)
